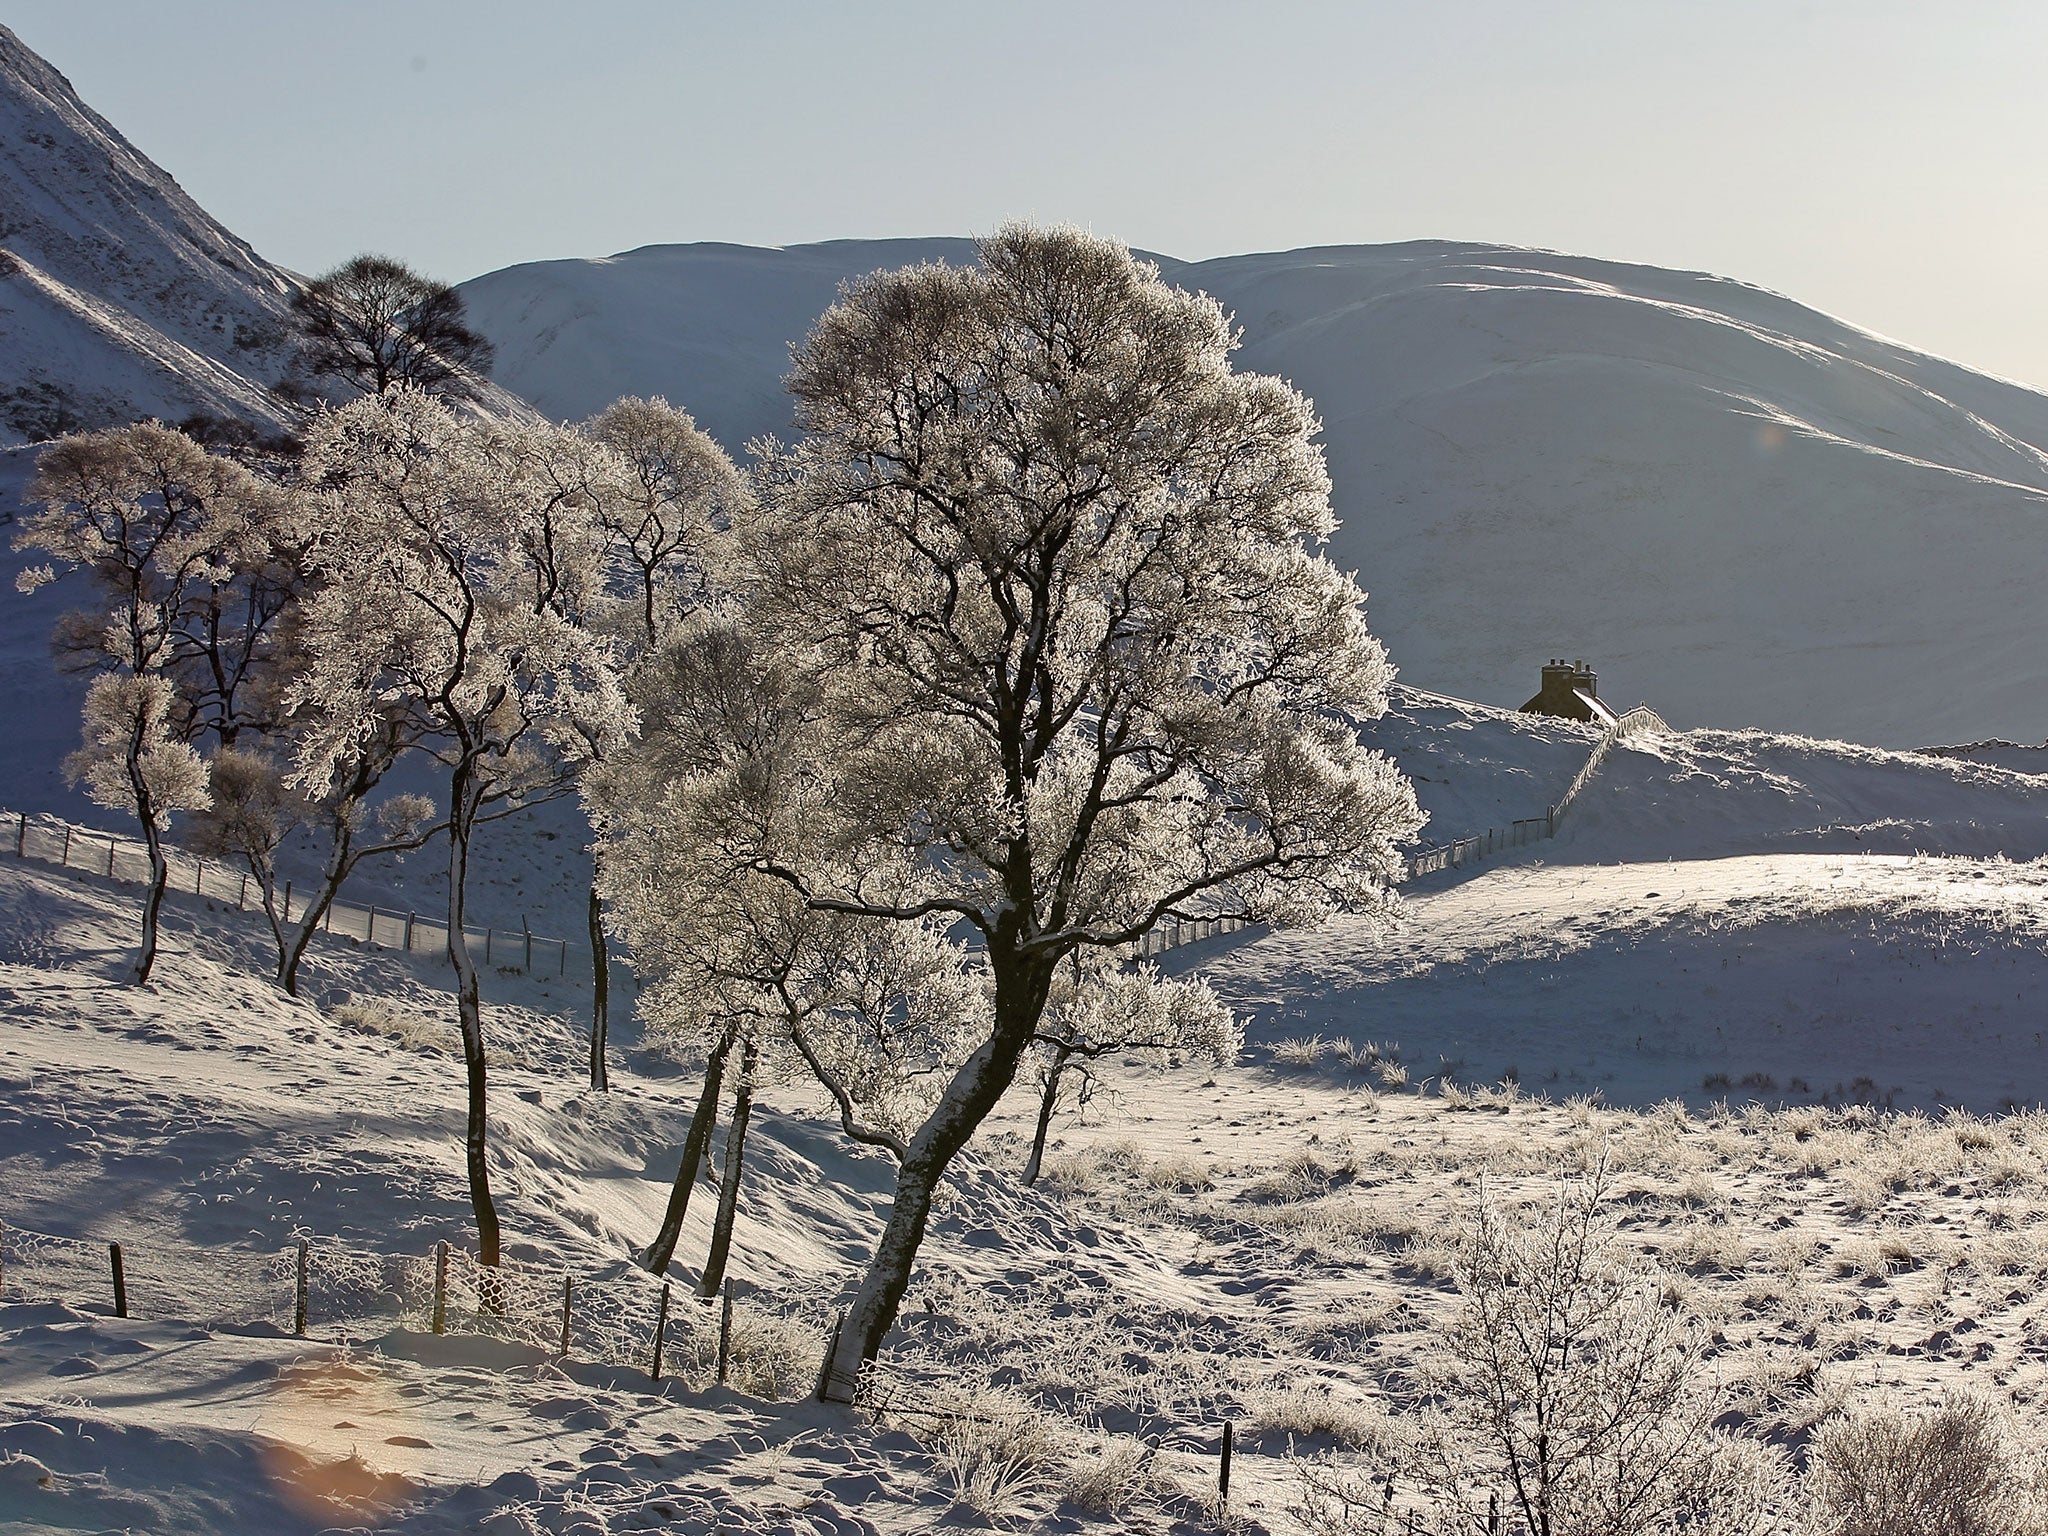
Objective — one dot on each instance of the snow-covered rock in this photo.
(1737, 508)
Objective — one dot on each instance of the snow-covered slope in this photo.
(119, 296)
(1742, 510)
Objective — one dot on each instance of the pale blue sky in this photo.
(1881, 160)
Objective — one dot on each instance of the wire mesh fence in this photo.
(126, 859)
(316, 1288)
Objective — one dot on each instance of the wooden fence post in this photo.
(199, 878)
(242, 895)
(410, 919)
(725, 1333)
(110, 858)
(825, 1365)
(21, 838)
(1223, 1466)
(302, 1283)
(65, 858)
(120, 1280)
(441, 1286)
(660, 1328)
(529, 942)
(568, 1296)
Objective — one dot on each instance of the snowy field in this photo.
(1810, 934)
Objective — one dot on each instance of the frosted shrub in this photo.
(374, 1016)
(1564, 1381)
(1106, 1479)
(1299, 1052)
(775, 1358)
(1313, 1410)
(994, 1454)
(1957, 1471)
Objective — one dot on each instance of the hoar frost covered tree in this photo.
(1564, 1385)
(663, 508)
(455, 555)
(733, 958)
(162, 529)
(1049, 560)
(1098, 1007)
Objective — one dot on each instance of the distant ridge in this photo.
(1739, 508)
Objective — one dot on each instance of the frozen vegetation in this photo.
(1679, 1172)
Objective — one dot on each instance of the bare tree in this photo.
(664, 500)
(374, 324)
(450, 555)
(1564, 1382)
(679, 499)
(1052, 556)
(258, 805)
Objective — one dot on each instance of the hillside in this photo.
(120, 297)
(1747, 512)
(1265, 1241)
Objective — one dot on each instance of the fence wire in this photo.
(608, 1318)
(116, 858)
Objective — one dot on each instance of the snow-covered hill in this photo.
(119, 296)
(1742, 510)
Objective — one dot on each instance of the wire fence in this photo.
(1637, 722)
(315, 1288)
(534, 954)
(101, 853)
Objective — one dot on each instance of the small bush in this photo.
(1299, 1052)
(995, 1455)
(1106, 1479)
(1954, 1472)
(374, 1016)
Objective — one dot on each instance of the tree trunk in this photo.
(600, 992)
(974, 1091)
(153, 839)
(729, 1187)
(469, 1009)
(1046, 1104)
(658, 1253)
(332, 874)
(153, 899)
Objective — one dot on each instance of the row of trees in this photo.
(891, 748)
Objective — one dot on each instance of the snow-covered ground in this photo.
(1723, 917)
